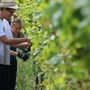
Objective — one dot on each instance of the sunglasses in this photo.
(11, 10)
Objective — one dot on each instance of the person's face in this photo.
(8, 12)
(16, 28)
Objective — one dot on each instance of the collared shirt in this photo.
(5, 49)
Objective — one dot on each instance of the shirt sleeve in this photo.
(2, 32)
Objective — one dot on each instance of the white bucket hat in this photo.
(8, 4)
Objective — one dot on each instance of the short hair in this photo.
(17, 20)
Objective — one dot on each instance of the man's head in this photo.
(8, 7)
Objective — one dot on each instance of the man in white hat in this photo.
(10, 6)
(7, 8)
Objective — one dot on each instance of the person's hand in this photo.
(25, 44)
(29, 41)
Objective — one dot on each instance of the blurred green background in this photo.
(59, 57)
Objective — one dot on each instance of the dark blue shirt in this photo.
(14, 49)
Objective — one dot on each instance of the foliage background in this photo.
(59, 30)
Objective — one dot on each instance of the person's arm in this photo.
(23, 56)
(13, 41)
(21, 45)
(14, 53)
